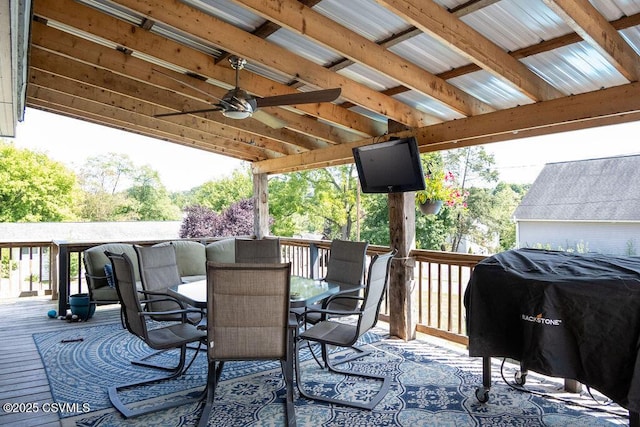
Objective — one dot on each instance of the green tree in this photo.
(152, 199)
(471, 167)
(506, 197)
(288, 200)
(33, 188)
(375, 221)
(104, 180)
(333, 200)
(222, 193)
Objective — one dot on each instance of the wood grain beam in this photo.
(436, 21)
(307, 22)
(109, 115)
(98, 119)
(137, 112)
(594, 28)
(116, 32)
(151, 97)
(53, 40)
(619, 103)
(276, 58)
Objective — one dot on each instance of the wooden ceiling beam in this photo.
(436, 21)
(151, 97)
(54, 108)
(136, 108)
(581, 111)
(276, 58)
(117, 117)
(316, 134)
(41, 104)
(587, 22)
(119, 33)
(307, 22)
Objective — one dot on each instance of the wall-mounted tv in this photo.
(390, 167)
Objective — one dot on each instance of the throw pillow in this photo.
(108, 271)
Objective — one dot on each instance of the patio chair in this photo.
(158, 267)
(331, 332)
(248, 311)
(258, 251)
(174, 336)
(346, 268)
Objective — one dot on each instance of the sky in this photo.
(181, 168)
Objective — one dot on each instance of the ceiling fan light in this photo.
(236, 114)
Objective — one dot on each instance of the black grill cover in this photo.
(574, 316)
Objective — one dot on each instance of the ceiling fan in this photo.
(238, 104)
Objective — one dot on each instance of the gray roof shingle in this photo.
(606, 189)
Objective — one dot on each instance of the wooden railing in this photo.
(439, 283)
(27, 269)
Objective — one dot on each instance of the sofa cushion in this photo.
(222, 251)
(191, 258)
(95, 260)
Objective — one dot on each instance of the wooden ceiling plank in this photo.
(436, 21)
(276, 58)
(121, 33)
(288, 141)
(40, 104)
(111, 114)
(137, 129)
(545, 117)
(307, 22)
(594, 28)
(150, 96)
(51, 39)
(87, 92)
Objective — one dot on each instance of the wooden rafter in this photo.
(305, 21)
(124, 34)
(432, 19)
(587, 22)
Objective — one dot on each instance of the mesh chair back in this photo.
(158, 271)
(346, 267)
(124, 278)
(247, 310)
(377, 279)
(263, 251)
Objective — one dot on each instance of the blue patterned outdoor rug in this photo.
(433, 386)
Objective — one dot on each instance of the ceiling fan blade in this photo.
(204, 110)
(325, 95)
(268, 119)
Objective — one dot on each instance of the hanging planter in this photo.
(430, 207)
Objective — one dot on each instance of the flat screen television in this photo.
(390, 167)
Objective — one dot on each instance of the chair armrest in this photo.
(164, 296)
(338, 296)
(324, 312)
(160, 313)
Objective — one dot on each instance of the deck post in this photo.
(261, 205)
(402, 293)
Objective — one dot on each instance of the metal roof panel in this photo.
(488, 88)
(364, 17)
(574, 69)
(514, 24)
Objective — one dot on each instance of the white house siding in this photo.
(619, 238)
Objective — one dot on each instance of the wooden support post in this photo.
(402, 293)
(261, 205)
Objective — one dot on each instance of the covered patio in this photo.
(442, 72)
(450, 73)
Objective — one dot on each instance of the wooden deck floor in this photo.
(22, 375)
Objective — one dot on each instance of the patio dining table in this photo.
(304, 292)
